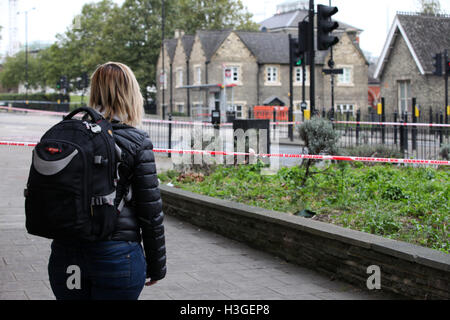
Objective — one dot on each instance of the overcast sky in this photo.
(374, 17)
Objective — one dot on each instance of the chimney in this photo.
(178, 33)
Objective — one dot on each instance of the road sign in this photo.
(303, 106)
(161, 78)
(333, 71)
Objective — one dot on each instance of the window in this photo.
(180, 108)
(345, 108)
(298, 75)
(163, 79)
(179, 77)
(346, 76)
(404, 95)
(234, 77)
(272, 74)
(239, 110)
(198, 75)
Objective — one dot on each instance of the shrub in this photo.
(445, 151)
(319, 138)
(379, 151)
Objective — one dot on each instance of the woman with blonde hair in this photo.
(117, 268)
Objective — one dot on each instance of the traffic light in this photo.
(296, 55)
(85, 80)
(301, 46)
(437, 64)
(447, 65)
(58, 84)
(325, 26)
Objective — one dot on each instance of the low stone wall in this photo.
(405, 269)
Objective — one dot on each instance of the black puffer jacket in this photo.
(144, 212)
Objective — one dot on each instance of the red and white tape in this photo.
(277, 123)
(275, 155)
(34, 110)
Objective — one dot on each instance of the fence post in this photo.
(414, 120)
(405, 133)
(395, 127)
(431, 120)
(332, 116)
(274, 120)
(323, 113)
(170, 134)
(383, 119)
(441, 130)
(358, 119)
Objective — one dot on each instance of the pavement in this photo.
(201, 265)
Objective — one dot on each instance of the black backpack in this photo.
(71, 189)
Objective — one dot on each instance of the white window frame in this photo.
(240, 114)
(346, 108)
(177, 104)
(272, 75)
(180, 76)
(297, 81)
(407, 98)
(163, 86)
(345, 79)
(198, 74)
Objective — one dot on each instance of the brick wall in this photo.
(341, 253)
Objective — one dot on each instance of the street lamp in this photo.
(26, 49)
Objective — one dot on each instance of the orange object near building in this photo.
(266, 112)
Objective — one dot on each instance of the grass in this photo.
(403, 203)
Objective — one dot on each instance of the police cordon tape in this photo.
(408, 124)
(275, 155)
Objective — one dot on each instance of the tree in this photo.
(432, 7)
(131, 34)
(214, 14)
(13, 72)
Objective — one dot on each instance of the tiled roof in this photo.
(267, 47)
(428, 35)
(171, 45)
(291, 19)
(211, 40)
(188, 42)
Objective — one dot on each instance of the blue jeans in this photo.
(106, 270)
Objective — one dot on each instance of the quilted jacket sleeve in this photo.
(149, 212)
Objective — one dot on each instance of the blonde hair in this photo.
(115, 92)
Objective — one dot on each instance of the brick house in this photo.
(259, 66)
(405, 67)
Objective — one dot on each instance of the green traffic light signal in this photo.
(299, 62)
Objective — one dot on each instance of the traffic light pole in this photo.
(291, 93)
(311, 59)
(446, 85)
